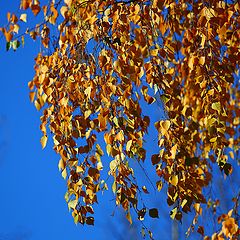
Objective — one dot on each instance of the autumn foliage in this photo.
(101, 60)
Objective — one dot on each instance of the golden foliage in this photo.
(185, 52)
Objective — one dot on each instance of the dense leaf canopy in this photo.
(101, 60)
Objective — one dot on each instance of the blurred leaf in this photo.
(44, 141)
(72, 204)
(90, 221)
(15, 44)
(23, 17)
(129, 218)
(141, 214)
(8, 45)
(153, 213)
(145, 189)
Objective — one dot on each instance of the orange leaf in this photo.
(31, 96)
(35, 9)
(25, 4)
(14, 18)
(54, 14)
(8, 35)
(8, 16)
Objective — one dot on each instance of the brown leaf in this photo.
(35, 9)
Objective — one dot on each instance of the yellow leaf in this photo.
(174, 180)
(23, 41)
(80, 182)
(213, 139)
(44, 141)
(114, 187)
(79, 169)
(230, 213)
(37, 105)
(173, 151)
(61, 164)
(108, 148)
(229, 227)
(159, 185)
(231, 154)
(64, 173)
(68, 2)
(154, 52)
(183, 203)
(87, 114)
(203, 41)
(99, 150)
(16, 28)
(115, 120)
(173, 213)
(191, 62)
(113, 165)
(88, 133)
(161, 152)
(64, 101)
(128, 146)
(165, 126)
(55, 141)
(72, 204)
(120, 136)
(99, 166)
(216, 106)
(54, 15)
(88, 91)
(23, 17)
(161, 142)
(63, 11)
(202, 60)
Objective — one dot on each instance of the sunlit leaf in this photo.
(111, 69)
(159, 185)
(173, 213)
(15, 44)
(216, 106)
(23, 17)
(145, 190)
(64, 173)
(174, 180)
(141, 214)
(44, 141)
(72, 204)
